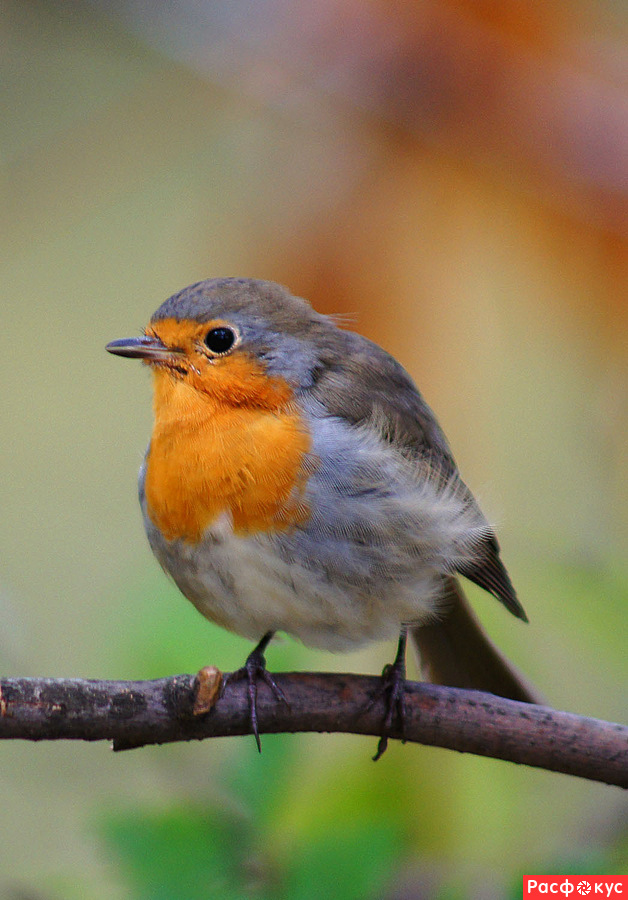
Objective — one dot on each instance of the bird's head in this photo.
(244, 341)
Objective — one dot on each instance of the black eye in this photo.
(220, 340)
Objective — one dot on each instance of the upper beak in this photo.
(144, 347)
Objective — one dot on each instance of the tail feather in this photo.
(456, 651)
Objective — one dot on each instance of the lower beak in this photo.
(145, 347)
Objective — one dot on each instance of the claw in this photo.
(393, 688)
(253, 670)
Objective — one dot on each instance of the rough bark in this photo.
(136, 713)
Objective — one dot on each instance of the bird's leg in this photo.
(393, 687)
(253, 669)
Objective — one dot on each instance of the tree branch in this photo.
(137, 713)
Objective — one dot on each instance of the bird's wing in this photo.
(362, 384)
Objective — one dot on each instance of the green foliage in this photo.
(231, 850)
(182, 852)
(193, 853)
(354, 862)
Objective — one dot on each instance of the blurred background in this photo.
(454, 175)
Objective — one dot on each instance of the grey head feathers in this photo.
(266, 303)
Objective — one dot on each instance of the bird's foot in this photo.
(254, 670)
(393, 689)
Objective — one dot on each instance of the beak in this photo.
(145, 347)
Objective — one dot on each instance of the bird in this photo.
(296, 481)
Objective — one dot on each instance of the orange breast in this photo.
(208, 458)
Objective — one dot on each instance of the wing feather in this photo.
(362, 384)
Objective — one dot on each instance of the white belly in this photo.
(245, 585)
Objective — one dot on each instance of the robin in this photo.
(297, 481)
